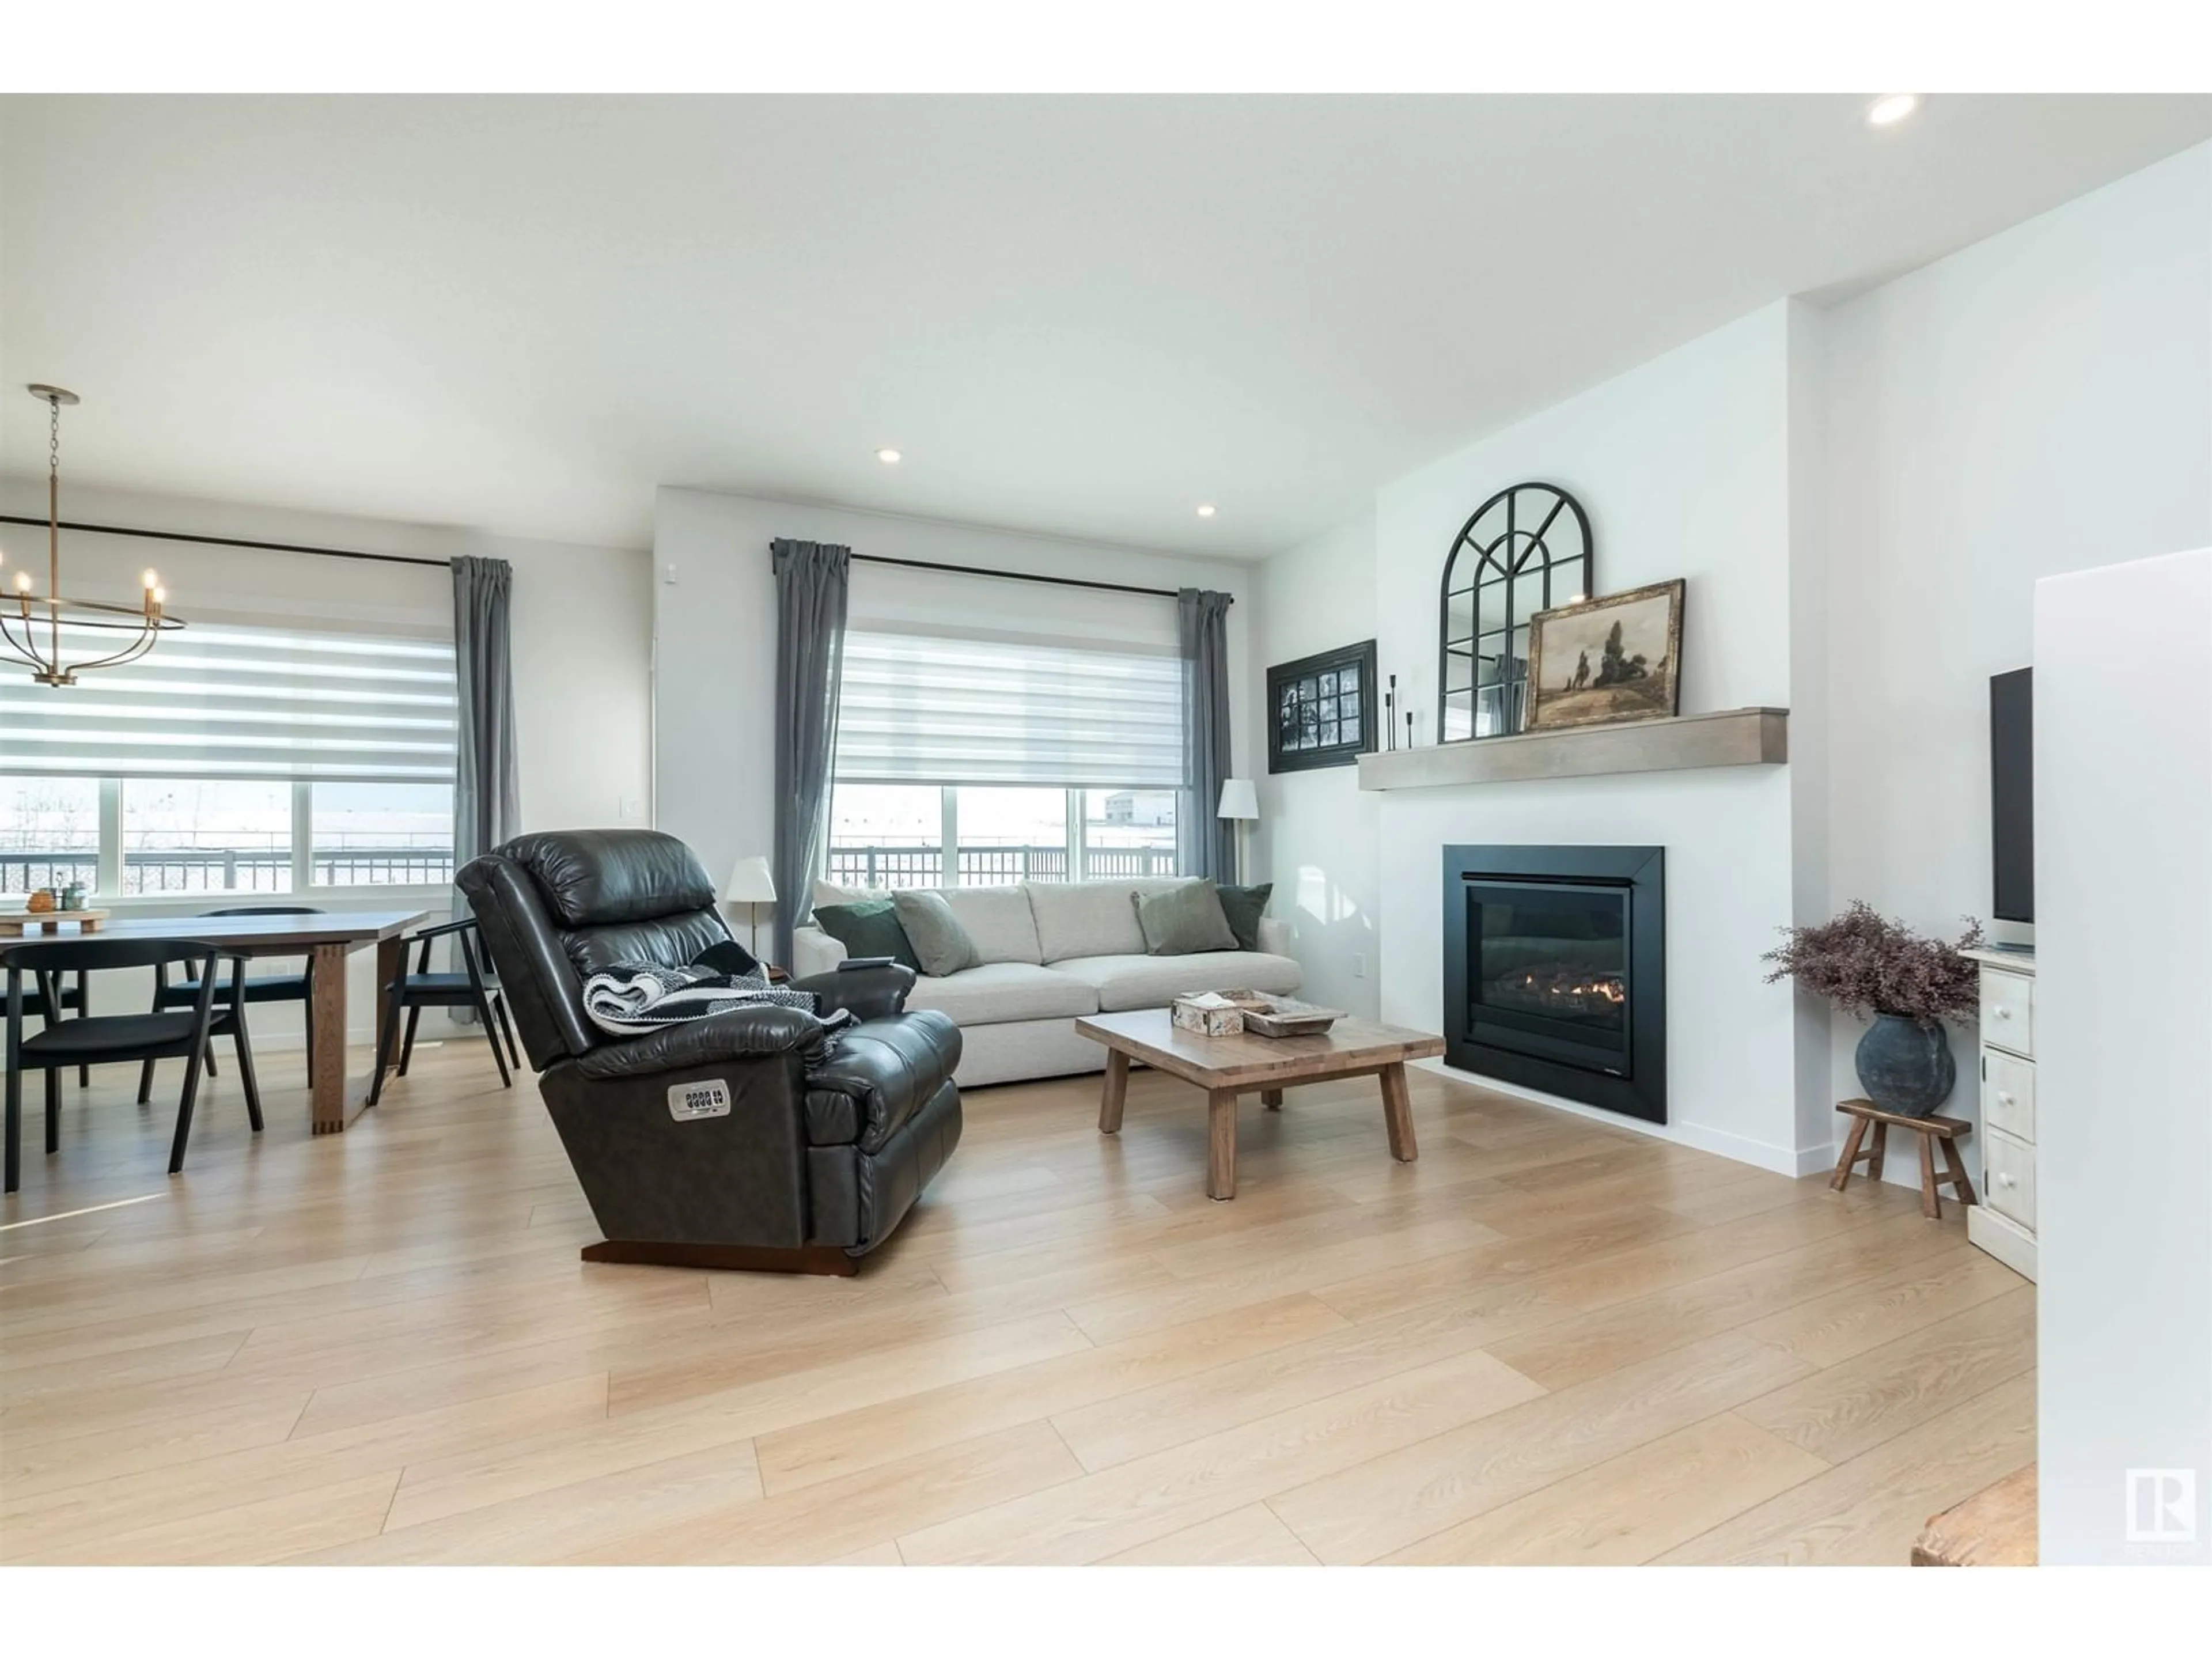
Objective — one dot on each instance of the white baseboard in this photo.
(1796, 1162)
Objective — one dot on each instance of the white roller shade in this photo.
(925, 708)
(223, 700)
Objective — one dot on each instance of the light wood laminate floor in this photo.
(1549, 1340)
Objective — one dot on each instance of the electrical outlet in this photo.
(1359, 965)
(630, 809)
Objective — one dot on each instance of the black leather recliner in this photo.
(749, 1140)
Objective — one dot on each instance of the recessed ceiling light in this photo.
(1891, 108)
(888, 457)
(1206, 509)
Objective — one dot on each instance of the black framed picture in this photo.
(1321, 710)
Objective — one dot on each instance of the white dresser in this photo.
(2003, 1222)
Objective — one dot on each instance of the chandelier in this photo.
(24, 616)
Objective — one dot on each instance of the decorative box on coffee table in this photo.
(1262, 1013)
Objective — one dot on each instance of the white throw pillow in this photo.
(828, 892)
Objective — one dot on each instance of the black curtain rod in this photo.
(228, 541)
(441, 564)
(1016, 576)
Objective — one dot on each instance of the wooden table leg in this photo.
(1115, 1094)
(1271, 1099)
(1398, 1114)
(1930, 1205)
(1842, 1178)
(1221, 1143)
(1881, 1150)
(326, 1011)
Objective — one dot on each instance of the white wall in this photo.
(1862, 499)
(583, 664)
(1685, 468)
(2036, 404)
(714, 624)
(1318, 832)
(2124, 1111)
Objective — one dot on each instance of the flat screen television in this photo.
(2012, 794)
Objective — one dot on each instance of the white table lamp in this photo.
(750, 885)
(1240, 801)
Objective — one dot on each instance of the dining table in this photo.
(327, 939)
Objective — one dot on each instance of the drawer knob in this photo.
(2002, 1011)
(2003, 1099)
(2007, 1181)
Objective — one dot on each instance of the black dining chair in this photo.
(411, 993)
(298, 987)
(90, 1039)
(77, 996)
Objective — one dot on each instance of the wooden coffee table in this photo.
(1226, 1067)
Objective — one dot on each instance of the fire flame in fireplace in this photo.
(1611, 989)
(1560, 989)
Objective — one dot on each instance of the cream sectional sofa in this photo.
(1051, 952)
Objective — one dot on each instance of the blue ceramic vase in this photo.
(1906, 1067)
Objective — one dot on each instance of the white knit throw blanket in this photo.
(633, 997)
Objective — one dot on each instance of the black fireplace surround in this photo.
(1555, 971)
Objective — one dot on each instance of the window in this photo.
(966, 761)
(917, 707)
(886, 836)
(373, 835)
(910, 835)
(49, 833)
(1128, 832)
(235, 759)
(206, 836)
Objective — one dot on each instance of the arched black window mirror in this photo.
(1527, 548)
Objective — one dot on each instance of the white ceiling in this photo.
(1076, 315)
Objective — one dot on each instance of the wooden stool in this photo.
(1931, 1130)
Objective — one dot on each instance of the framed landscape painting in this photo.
(1611, 660)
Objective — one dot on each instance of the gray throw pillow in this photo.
(940, 944)
(1184, 920)
(1244, 905)
(867, 929)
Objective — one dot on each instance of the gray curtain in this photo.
(1206, 845)
(487, 796)
(812, 581)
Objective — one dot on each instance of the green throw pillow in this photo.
(869, 928)
(940, 943)
(1184, 919)
(1244, 905)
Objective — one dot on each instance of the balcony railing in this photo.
(989, 867)
(259, 870)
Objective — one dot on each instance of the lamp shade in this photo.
(1239, 799)
(751, 883)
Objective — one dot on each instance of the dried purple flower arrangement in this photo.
(1866, 964)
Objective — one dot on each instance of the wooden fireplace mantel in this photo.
(1733, 737)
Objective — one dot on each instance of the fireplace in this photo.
(1555, 971)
